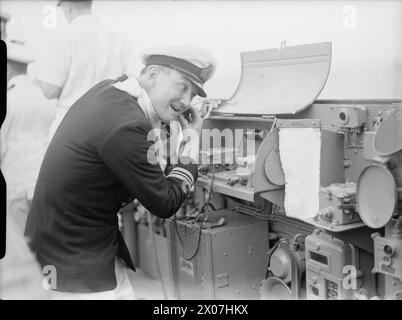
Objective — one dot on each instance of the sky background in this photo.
(366, 36)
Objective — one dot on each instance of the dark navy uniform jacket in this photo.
(96, 160)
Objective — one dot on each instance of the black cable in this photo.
(182, 243)
(198, 245)
(205, 205)
(177, 232)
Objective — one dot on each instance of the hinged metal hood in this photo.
(280, 81)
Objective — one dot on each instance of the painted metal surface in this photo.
(388, 138)
(230, 263)
(326, 258)
(280, 81)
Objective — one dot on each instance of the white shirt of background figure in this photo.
(80, 56)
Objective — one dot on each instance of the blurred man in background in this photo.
(100, 156)
(24, 133)
(20, 273)
(81, 56)
(4, 18)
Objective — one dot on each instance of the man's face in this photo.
(171, 94)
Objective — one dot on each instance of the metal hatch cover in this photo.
(280, 81)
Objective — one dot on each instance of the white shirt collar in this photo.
(132, 87)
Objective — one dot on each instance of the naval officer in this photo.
(99, 157)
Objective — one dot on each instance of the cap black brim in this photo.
(200, 91)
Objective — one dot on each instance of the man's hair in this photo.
(165, 70)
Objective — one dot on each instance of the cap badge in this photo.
(205, 73)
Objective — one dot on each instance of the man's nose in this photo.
(186, 99)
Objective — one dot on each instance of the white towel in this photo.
(300, 151)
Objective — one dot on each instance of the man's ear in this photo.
(153, 73)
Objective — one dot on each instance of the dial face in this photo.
(376, 196)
